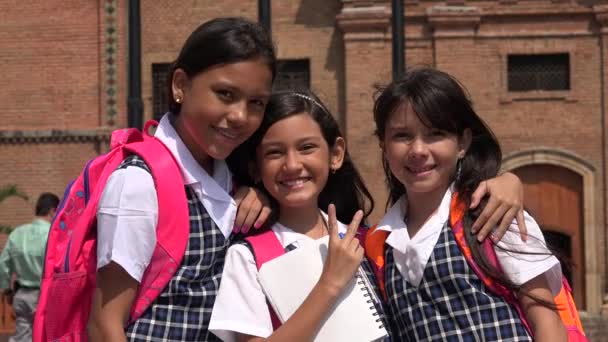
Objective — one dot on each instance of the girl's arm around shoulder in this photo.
(532, 265)
(523, 261)
(112, 301)
(544, 321)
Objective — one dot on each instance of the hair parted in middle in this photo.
(440, 102)
(345, 187)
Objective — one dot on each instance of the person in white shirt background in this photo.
(434, 145)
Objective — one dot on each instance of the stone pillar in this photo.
(601, 16)
(454, 29)
(367, 54)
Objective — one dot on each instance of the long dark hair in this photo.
(344, 188)
(440, 101)
(222, 41)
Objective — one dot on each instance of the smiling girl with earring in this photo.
(219, 86)
(439, 282)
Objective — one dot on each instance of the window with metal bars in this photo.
(292, 74)
(160, 89)
(538, 72)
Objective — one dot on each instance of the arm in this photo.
(545, 322)
(126, 237)
(504, 204)
(6, 266)
(112, 300)
(253, 209)
(343, 259)
(531, 265)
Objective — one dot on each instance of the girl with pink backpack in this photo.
(138, 246)
(220, 84)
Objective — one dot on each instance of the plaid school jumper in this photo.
(183, 310)
(450, 304)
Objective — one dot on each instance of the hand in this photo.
(344, 255)
(253, 209)
(8, 296)
(505, 203)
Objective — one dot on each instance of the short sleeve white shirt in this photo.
(411, 255)
(240, 306)
(127, 212)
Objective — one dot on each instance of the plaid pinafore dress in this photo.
(183, 310)
(451, 303)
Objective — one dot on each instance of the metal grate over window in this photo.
(538, 72)
(292, 74)
(160, 89)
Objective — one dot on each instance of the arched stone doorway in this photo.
(566, 165)
(553, 196)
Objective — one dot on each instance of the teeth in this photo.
(422, 169)
(295, 182)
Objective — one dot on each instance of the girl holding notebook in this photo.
(299, 157)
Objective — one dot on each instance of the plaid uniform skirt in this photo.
(450, 304)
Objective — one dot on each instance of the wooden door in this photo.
(554, 197)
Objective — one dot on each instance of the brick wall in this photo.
(64, 65)
(165, 27)
(50, 64)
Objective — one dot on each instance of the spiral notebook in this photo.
(288, 280)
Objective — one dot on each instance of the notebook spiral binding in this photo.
(365, 286)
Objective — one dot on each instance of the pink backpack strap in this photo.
(173, 225)
(266, 246)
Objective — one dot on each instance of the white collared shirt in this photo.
(128, 209)
(240, 305)
(412, 254)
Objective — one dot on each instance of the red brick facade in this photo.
(64, 67)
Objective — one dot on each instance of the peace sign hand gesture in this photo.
(344, 254)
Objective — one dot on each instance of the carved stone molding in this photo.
(454, 21)
(601, 16)
(54, 136)
(364, 19)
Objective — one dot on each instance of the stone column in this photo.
(367, 54)
(601, 16)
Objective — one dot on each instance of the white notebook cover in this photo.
(289, 279)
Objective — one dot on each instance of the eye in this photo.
(438, 133)
(258, 104)
(308, 148)
(402, 135)
(225, 95)
(273, 153)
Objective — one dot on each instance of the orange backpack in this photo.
(375, 247)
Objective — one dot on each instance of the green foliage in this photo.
(8, 191)
(11, 190)
(4, 229)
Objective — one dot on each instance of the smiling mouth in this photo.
(227, 133)
(295, 183)
(420, 169)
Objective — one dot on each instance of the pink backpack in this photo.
(68, 280)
